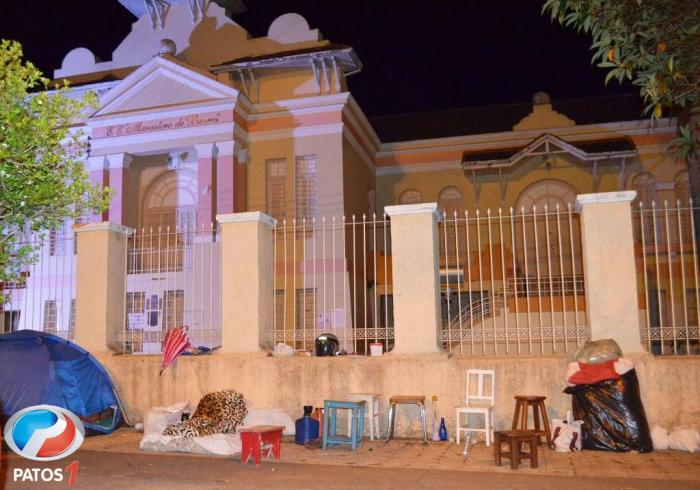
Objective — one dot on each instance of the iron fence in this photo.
(512, 282)
(332, 275)
(173, 279)
(666, 250)
(43, 296)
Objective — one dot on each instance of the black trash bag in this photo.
(612, 414)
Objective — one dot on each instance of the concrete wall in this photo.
(669, 386)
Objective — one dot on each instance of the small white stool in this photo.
(372, 411)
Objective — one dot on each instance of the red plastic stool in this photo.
(260, 437)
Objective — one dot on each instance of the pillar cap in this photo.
(247, 217)
(604, 198)
(409, 209)
(103, 226)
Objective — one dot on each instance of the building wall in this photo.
(358, 183)
(430, 183)
(328, 150)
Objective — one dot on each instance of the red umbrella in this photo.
(175, 342)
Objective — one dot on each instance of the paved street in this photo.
(115, 462)
(107, 471)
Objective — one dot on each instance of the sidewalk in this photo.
(661, 465)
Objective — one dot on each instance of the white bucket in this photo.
(375, 349)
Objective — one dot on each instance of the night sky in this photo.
(418, 55)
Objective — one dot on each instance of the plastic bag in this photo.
(659, 438)
(566, 435)
(684, 439)
(158, 418)
(597, 351)
(612, 414)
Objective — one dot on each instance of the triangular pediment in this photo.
(163, 83)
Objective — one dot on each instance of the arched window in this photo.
(168, 222)
(545, 240)
(548, 193)
(645, 185)
(171, 201)
(681, 186)
(410, 196)
(450, 200)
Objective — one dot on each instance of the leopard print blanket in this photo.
(220, 412)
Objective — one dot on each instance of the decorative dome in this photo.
(167, 46)
(541, 98)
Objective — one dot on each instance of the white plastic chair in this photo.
(479, 400)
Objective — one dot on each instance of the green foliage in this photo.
(653, 43)
(42, 178)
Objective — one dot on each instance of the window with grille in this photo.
(135, 303)
(305, 308)
(305, 188)
(50, 324)
(276, 192)
(71, 320)
(174, 313)
(279, 309)
(10, 321)
(56, 239)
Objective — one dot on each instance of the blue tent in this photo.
(36, 368)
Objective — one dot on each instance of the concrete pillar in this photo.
(415, 268)
(101, 285)
(225, 177)
(98, 168)
(119, 165)
(206, 183)
(609, 268)
(246, 280)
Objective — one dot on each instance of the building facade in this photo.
(197, 119)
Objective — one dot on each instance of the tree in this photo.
(42, 178)
(656, 45)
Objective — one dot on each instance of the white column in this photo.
(98, 168)
(225, 177)
(246, 280)
(119, 165)
(415, 268)
(609, 269)
(206, 183)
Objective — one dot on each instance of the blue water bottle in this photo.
(307, 428)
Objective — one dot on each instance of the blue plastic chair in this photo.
(357, 426)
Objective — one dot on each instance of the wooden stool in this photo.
(406, 400)
(515, 440)
(539, 415)
(357, 423)
(265, 437)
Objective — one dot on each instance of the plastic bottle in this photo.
(307, 428)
